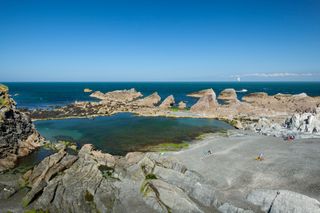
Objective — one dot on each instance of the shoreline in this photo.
(234, 173)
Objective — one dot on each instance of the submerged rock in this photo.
(167, 103)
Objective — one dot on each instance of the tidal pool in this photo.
(125, 132)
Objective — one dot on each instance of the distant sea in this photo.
(44, 95)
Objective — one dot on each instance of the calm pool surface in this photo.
(124, 132)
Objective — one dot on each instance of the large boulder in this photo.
(18, 136)
(168, 102)
(229, 96)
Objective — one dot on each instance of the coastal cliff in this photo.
(18, 137)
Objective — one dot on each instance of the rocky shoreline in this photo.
(278, 115)
(183, 181)
(216, 174)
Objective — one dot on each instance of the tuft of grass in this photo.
(151, 176)
(176, 109)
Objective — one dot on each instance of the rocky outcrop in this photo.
(308, 122)
(18, 136)
(202, 93)
(254, 97)
(98, 182)
(207, 102)
(87, 90)
(229, 96)
(276, 201)
(149, 101)
(167, 103)
(300, 125)
(182, 105)
(282, 102)
(118, 95)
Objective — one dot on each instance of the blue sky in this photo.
(159, 40)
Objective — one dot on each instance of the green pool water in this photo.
(124, 132)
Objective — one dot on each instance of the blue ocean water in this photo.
(42, 95)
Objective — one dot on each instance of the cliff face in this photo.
(18, 137)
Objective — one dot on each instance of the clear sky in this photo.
(159, 40)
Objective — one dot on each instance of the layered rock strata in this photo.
(18, 137)
(95, 181)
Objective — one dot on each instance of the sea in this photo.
(125, 132)
(44, 95)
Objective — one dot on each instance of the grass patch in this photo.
(169, 147)
(176, 109)
(108, 172)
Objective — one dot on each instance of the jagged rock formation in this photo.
(168, 102)
(202, 93)
(18, 136)
(254, 112)
(301, 125)
(149, 101)
(308, 122)
(182, 105)
(118, 95)
(229, 96)
(207, 102)
(282, 102)
(95, 181)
